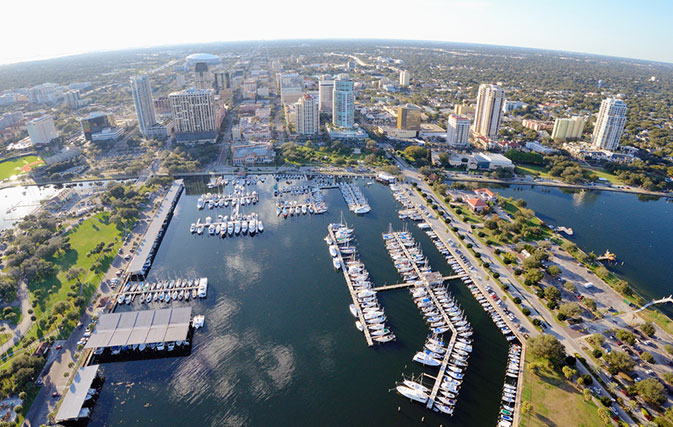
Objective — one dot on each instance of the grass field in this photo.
(18, 166)
(535, 170)
(605, 175)
(555, 402)
(83, 238)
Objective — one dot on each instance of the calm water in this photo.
(639, 232)
(280, 346)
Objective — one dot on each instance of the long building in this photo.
(488, 114)
(610, 124)
(325, 93)
(458, 131)
(308, 117)
(194, 115)
(343, 102)
(142, 98)
(41, 130)
(568, 128)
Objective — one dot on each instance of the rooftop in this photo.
(76, 394)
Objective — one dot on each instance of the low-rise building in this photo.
(539, 148)
(486, 195)
(252, 153)
(477, 205)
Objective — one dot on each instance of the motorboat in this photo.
(260, 226)
(198, 321)
(336, 263)
(237, 227)
(244, 226)
(413, 394)
(354, 310)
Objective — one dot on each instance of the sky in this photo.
(39, 29)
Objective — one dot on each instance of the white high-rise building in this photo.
(405, 76)
(41, 130)
(71, 98)
(142, 98)
(308, 117)
(343, 102)
(458, 131)
(488, 115)
(325, 92)
(194, 115)
(610, 124)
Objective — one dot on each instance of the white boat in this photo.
(192, 228)
(260, 226)
(384, 338)
(252, 226)
(353, 309)
(426, 359)
(359, 326)
(336, 263)
(415, 386)
(230, 228)
(198, 321)
(413, 394)
(333, 250)
(244, 226)
(237, 227)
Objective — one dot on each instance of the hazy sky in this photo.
(33, 29)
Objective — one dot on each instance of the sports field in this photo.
(15, 167)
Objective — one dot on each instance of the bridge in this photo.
(653, 302)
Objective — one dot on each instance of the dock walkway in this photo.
(351, 290)
(407, 284)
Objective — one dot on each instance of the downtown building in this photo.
(325, 94)
(568, 128)
(147, 119)
(41, 130)
(405, 76)
(408, 117)
(609, 124)
(308, 116)
(100, 126)
(488, 114)
(291, 87)
(196, 119)
(343, 102)
(458, 131)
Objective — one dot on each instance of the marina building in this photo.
(488, 115)
(308, 117)
(41, 130)
(568, 128)
(252, 153)
(609, 124)
(458, 131)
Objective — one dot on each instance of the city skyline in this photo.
(555, 27)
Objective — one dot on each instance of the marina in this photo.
(356, 201)
(163, 291)
(225, 226)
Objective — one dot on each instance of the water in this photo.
(638, 232)
(17, 202)
(280, 346)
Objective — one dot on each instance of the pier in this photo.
(409, 284)
(454, 333)
(142, 260)
(352, 292)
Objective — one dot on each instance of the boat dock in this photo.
(163, 291)
(144, 255)
(351, 290)
(410, 284)
(356, 201)
(454, 333)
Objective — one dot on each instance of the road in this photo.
(18, 331)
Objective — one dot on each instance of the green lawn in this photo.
(83, 238)
(18, 166)
(606, 175)
(535, 170)
(555, 401)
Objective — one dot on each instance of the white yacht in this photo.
(260, 226)
(244, 226)
(198, 321)
(237, 227)
(413, 394)
(336, 263)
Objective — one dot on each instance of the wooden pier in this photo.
(408, 284)
(447, 320)
(354, 297)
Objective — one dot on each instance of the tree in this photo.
(74, 273)
(570, 286)
(554, 270)
(587, 394)
(648, 329)
(625, 336)
(589, 303)
(547, 346)
(668, 377)
(668, 348)
(619, 361)
(570, 309)
(647, 357)
(596, 340)
(651, 390)
(533, 277)
(552, 294)
(569, 372)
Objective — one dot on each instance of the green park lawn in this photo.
(83, 238)
(18, 166)
(535, 170)
(555, 401)
(605, 175)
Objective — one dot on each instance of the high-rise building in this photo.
(457, 131)
(162, 106)
(308, 117)
(95, 123)
(408, 117)
(222, 80)
(609, 124)
(41, 130)
(343, 102)
(142, 98)
(203, 79)
(568, 128)
(404, 78)
(250, 89)
(71, 98)
(195, 117)
(488, 115)
(291, 87)
(325, 92)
